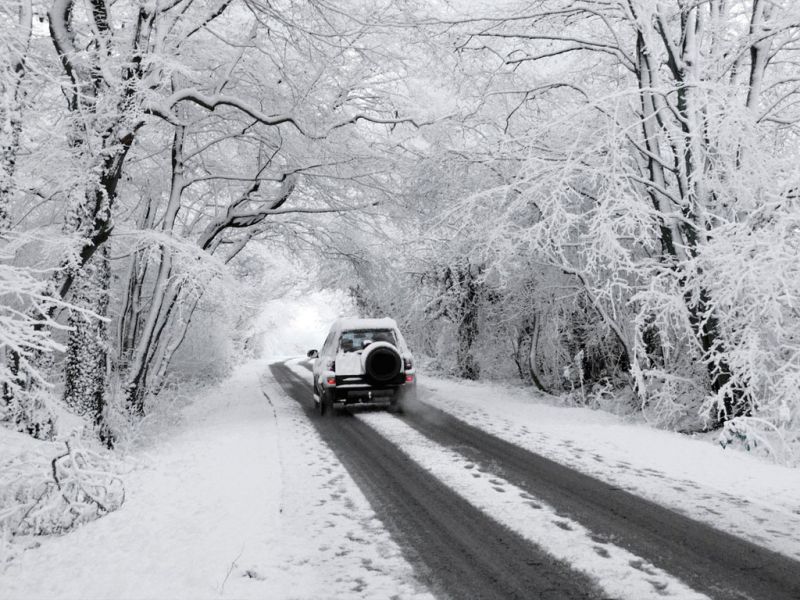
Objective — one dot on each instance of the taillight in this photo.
(409, 364)
(409, 379)
(331, 380)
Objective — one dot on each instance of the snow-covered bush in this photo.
(51, 487)
(162, 413)
(752, 268)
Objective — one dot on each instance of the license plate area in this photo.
(369, 395)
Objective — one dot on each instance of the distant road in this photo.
(462, 553)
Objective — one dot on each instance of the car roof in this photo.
(354, 324)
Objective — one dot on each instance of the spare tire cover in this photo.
(382, 362)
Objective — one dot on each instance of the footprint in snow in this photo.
(778, 533)
(563, 525)
(601, 551)
(367, 564)
(641, 566)
(355, 538)
(360, 585)
(660, 586)
(253, 574)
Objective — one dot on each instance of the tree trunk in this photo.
(149, 333)
(130, 320)
(11, 111)
(681, 240)
(87, 348)
(467, 365)
(525, 357)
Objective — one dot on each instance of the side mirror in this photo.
(312, 354)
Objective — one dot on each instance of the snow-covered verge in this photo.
(241, 500)
(51, 487)
(727, 488)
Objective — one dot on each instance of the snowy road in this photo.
(463, 551)
(460, 551)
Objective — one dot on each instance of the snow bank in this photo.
(52, 487)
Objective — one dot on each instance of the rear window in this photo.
(354, 340)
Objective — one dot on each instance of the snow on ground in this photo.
(13, 442)
(609, 565)
(243, 501)
(333, 545)
(742, 494)
(729, 489)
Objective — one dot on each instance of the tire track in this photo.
(455, 549)
(709, 560)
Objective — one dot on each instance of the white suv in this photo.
(363, 361)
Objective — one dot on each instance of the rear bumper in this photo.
(355, 389)
(348, 394)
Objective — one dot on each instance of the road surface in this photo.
(459, 552)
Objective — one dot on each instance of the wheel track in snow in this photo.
(456, 550)
(710, 561)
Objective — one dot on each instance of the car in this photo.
(363, 362)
